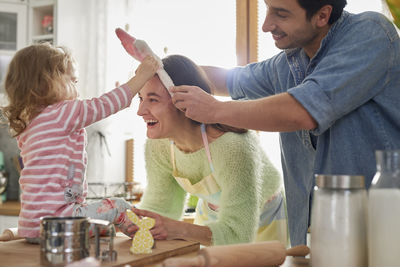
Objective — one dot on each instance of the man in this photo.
(333, 93)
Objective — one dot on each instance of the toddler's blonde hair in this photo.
(37, 77)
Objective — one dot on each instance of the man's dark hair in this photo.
(312, 6)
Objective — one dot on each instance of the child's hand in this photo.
(164, 228)
(126, 226)
(146, 70)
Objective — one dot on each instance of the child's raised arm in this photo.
(144, 72)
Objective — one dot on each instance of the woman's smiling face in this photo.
(157, 110)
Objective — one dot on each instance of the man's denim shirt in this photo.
(351, 87)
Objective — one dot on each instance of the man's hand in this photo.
(197, 104)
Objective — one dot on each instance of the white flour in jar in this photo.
(338, 228)
(384, 227)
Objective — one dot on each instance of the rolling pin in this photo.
(266, 254)
(10, 234)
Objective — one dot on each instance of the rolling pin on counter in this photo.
(266, 254)
(10, 234)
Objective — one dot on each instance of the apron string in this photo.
(206, 147)
(205, 142)
(172, 155)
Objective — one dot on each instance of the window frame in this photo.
(246, 31)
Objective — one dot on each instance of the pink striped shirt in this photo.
(53, 152)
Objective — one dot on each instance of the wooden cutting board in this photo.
(22, 254)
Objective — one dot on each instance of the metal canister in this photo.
(66, 239)
(63, 240)
(338, 222)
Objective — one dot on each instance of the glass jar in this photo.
(338, 222)
(384, 211)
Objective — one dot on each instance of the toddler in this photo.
(49, 123)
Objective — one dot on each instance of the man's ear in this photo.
(323, 15)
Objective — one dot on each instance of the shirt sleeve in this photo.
(238, 172)
(78, 114)
(255, 80)
(348, 75)
(163, 195)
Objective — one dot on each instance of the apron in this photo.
(272, 224)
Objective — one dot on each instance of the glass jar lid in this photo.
(340, 181)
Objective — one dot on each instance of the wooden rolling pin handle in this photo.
(9, 234)
(266, 254)
(198, 261)
(298, 251)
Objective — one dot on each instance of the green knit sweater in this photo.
(242, 170)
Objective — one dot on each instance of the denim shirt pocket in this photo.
(306, 139)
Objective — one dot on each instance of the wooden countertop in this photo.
(10, 208)
(22, 254)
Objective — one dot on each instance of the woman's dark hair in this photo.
(183, 71)
(312, 6)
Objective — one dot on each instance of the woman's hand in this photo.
(164, 228)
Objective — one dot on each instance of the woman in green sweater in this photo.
(240, 192)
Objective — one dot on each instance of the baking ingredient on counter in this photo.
(265, 254)
(384, 211)
(383, 229)
(338, 225)
(143, 241)
(86, 262)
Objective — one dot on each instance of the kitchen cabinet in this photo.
(13, 22)
(42, 21)
(13, 34)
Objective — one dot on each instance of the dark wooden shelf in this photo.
(10, 208)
